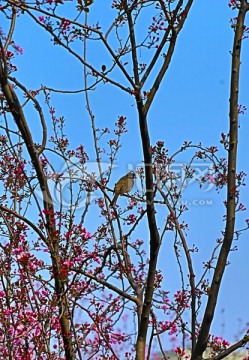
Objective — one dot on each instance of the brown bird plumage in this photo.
(124, 185)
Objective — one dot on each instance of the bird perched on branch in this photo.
(124, 185)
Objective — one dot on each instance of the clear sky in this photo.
(192, 104)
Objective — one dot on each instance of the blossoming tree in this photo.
(81, 280)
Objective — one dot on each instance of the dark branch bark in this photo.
(133, 45)
(39, 109)
(19, 117)
(151, 218)
(154, 235)
(232, 348)
(190, 268)
(167, 58)
(231, 189)
(24, 219)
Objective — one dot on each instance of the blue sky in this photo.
(192, 104)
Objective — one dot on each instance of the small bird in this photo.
(124, 185)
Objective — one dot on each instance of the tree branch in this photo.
(231, 189)
(167, 58)
(106, 284)
(39, 109)
(232, 348)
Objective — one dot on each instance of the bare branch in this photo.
(39, 109)
(231, 190)
(106, 284)
(11, 30)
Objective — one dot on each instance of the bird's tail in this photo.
(113, 202)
